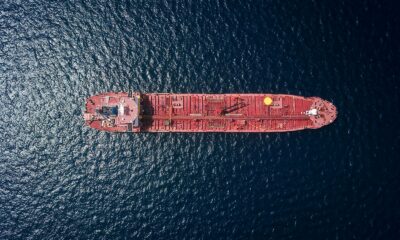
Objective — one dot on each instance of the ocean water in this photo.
(62, 180)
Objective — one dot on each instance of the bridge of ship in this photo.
(115, 110)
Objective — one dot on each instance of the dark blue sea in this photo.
(62, 180)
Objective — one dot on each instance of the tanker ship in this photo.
(168, 112)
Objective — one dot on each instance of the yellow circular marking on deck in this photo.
(268, 101)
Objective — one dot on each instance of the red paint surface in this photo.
(158, 112)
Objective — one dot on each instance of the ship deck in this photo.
(223, 113)
(164, 112)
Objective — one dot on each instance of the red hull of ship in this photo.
(164, 112)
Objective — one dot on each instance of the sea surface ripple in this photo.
(62, 180)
